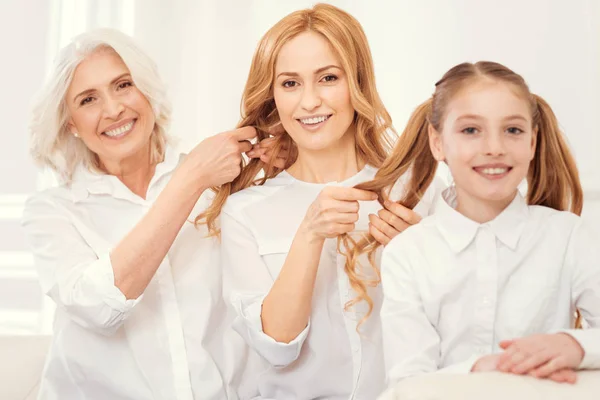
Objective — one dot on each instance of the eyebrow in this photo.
(315, 72)
(87, 91)
(507, 118)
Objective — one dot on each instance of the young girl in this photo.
(493, 280)
(288, 283)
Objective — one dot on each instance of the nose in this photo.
(311, 98)
(494, 144)
(113, 107)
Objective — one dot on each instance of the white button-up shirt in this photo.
(166, 344)
(453, 288)
(329, 359)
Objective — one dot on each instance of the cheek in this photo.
(338, 98)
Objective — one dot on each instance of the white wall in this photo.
(204, 49)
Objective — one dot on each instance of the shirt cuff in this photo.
(249, 325)
(100, 276)
(589, 340)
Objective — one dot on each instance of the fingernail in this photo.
(387, 203)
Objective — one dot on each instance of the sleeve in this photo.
(583, 255)
(247, 282)
(80, 282)
(411, 343)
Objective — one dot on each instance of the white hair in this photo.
(52, 145)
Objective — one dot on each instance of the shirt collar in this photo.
(86, 182)
(459, 231)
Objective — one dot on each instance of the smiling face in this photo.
(487, 140)
(107, 111)
(311, 93)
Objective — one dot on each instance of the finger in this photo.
(504, 344)
(505, 362)
(564, 376)
(342, 218)
(383, 226)
(398, 223)
(276, 129)
(245, 133)
(278, 163)
(244, 146)
(340, 228)
(405, 213)
(530, 363)
(509, 361)
(346, 193)
(378, 235)
(344, 206)
(256, 153)
(266, 143)
(553, 365)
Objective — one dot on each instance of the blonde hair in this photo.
(553, 179)
(374, 131)
(52, 145)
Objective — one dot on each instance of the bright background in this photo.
(203, 49)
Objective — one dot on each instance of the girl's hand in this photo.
(541, 356)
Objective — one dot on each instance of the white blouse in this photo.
(453, 288)
(166, 344)
(329, 359)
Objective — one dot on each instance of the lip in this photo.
(479, 170)
(119, 125)
(314, 127)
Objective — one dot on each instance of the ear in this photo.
(534, 138)
(71, 127)
(435, 143)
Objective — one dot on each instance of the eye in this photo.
(330, 78)
(289, 84)
(514, 130)
(86, 100)
(124, 85)
(470, 130)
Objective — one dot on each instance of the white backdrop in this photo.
(204, 49)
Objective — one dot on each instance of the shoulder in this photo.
(253, 196)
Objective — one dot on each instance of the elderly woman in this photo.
(137, 287)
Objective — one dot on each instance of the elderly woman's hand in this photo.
(217, 159)
(264, 150)
(390, 221)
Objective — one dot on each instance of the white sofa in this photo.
(22, 360)
(494, 386)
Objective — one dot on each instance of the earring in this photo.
(76, 134)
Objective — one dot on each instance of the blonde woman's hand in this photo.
(391, 221)
(334, 212)
(542, 356)
(217, 159)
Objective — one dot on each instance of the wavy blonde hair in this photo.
(51, 143)
(553, 178)
(373, 124)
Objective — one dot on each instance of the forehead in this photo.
(96, 70)
(305, 53)
(489, 99)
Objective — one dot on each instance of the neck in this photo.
(135, 172)
(480, 210)
(333, 164)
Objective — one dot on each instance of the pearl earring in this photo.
(76, 134)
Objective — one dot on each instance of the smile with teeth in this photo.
(495, 171)
(120, 131)
(314, 120)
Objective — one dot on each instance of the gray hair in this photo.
(52, 145)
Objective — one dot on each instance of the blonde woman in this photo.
(313, 73)
(138, 290)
